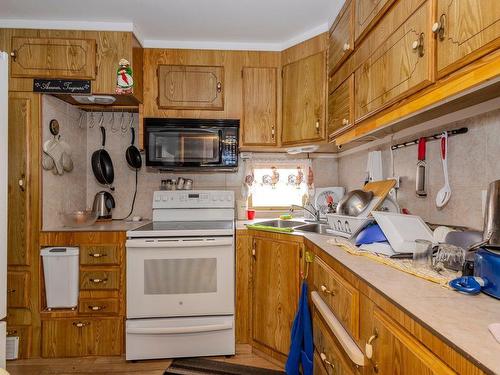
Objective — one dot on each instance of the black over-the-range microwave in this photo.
(191, 144)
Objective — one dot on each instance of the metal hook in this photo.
(92, 120)
(113, 129)
(123, 127)
(101, 119)
(131, 122)
(80, 120)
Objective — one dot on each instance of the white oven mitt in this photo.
(495, 330)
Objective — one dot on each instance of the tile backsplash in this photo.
(473, 162)
(76, 190)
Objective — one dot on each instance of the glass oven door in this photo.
(184, 147)
(189, 276)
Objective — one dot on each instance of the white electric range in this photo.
(180, 278)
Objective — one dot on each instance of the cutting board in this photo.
(380, 191)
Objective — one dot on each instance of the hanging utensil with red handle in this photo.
(420, 179)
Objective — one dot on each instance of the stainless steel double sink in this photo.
(300, 226)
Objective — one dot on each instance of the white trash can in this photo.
(60, 269)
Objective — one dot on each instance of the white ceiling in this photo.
(208, 24)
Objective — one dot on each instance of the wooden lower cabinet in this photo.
(98, 306)
(275, 292)
(100, 255)
(395, 351)
(82, 337)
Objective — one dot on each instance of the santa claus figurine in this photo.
(124, 80)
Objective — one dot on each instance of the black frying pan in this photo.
(132, 154)
(102, 165)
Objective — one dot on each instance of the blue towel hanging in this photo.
(301, 346)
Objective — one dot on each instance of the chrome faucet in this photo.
(313, 211)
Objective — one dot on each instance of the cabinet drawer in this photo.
(53, 58)
(338, 294)
(330, 353)
(24, 334)
(18, 284)
(341, 39)
(98, 306)
(400, 66)
(81, 337)
(100, 254)
(340, 108)
(191, 87)
(99, 279)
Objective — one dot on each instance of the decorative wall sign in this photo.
(62, 86)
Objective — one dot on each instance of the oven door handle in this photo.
(175, 243)
(179, 330)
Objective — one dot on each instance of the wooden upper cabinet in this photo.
(303, 118)
(341, 39)
(466, 30)
(53, 58)
(341, 108)
(191, 87)
(367, 12)
(24, 111)
(259, 107)
(396, 352)
(400, 66)
(275, 293)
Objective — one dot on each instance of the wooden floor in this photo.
(118, 365)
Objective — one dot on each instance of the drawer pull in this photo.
(325, 290)
(325, 361)
(438, 27)
(272, 133)
(346, 47)
(13, 54)
(11, 290)
(11, 332)
(81, 324)
(345, 122)
(97, 255)
(96, 308)
(418, 45)
(317, 126)
(219, 86)
(369, 345)
(98, 281)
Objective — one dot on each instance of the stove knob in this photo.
(214, 198)
(157, 198)
(164, 198)
(228, 198)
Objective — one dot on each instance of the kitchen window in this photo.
(278, 184)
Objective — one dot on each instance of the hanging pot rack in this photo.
(430, 138)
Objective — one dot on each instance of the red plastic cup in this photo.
(250, 214)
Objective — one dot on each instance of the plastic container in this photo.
(60, 268)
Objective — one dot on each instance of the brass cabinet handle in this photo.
(325, 290)
(369, 345)
(325, 361)
(97, 255)
(219, 87)
(418, 45)
(272, 132)
(22, 183)
(13, 54)
(317, 126)
(345, 122)
(98, 281)
(438, 27)
(96, 307)
(346, 47)
(81, 324)
(11, 290)
(11, 332)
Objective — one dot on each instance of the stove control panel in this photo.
(193, 199)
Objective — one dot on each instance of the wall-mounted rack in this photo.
(430, 138)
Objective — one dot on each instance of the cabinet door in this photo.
(401, 65)
(341, 39)
(191, 87)
(23, 128)
(396, 352)
(366, 13)
(18, 283)
(467, 29)
(81, 337)
(53, 58)
(303, 100)
(341, 108)
(275, 292)
(259, 107)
